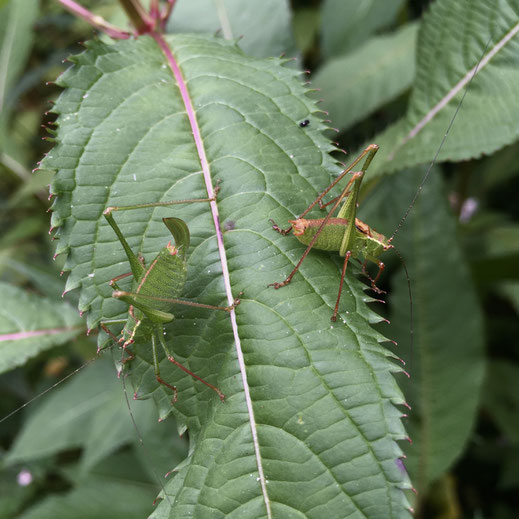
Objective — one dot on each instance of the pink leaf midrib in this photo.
(186, 98)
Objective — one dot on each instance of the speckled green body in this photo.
(164, 277)
(155, 289)
(364, 242)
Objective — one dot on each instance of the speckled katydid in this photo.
(346, 234)
(155, 289)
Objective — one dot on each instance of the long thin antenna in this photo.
(411, 320)
(431, 165)
(71, 374)
(141, 441)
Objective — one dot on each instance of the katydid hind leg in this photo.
(172, 359)
(166, 203)
(369, 152)
(137, 297)
(156, 368)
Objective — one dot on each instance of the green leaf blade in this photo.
(355, 85)
(452, 42)
(447, 363)
(31, 324)
(347, 23)
(292, 380)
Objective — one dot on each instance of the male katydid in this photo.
(345, 233)
(155, 289)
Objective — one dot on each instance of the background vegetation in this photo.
(76, 447)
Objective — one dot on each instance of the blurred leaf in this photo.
(447, 362)
(262, 29)
(501, 398)
(30, 324)
(35, 184)
(346, 24)
(510, 290)
(66, 419)
(16, 20)
(452, 41)
(355, 85)
(502, 241)
(494, 253)
(22, 230)
(16, 39)
(99, 498)
(13, 495)
(306, 25)
(510, 472)
(305, 400)
(498, 168)
(42, 276)
(90, 412)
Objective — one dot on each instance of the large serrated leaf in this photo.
(455, 38)
(309, 407)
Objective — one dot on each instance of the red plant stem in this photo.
(166, 14)
(17, 336)
(141, 20)
(96, 21)
(155, 9)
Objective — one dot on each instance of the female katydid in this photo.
(155, 289)
(346, 234)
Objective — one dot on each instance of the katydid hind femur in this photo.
(155, 289)
(345, 233)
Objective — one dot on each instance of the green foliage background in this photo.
(460, 245)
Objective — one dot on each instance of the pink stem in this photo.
(166, 14)
(155, 10)
(221, 249)
(201, 154)
(36, 333)
(96, 21)
(141, 20)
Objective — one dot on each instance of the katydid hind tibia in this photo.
(155, 289)
(345, 233)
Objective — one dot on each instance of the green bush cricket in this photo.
(155, 289)
(345, 233)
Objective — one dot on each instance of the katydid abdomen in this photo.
(330, 238)
(366, 242)
(165, 277)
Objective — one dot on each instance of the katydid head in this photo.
(299, 226)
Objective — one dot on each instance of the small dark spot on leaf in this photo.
(304, 123)
(229, 225)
